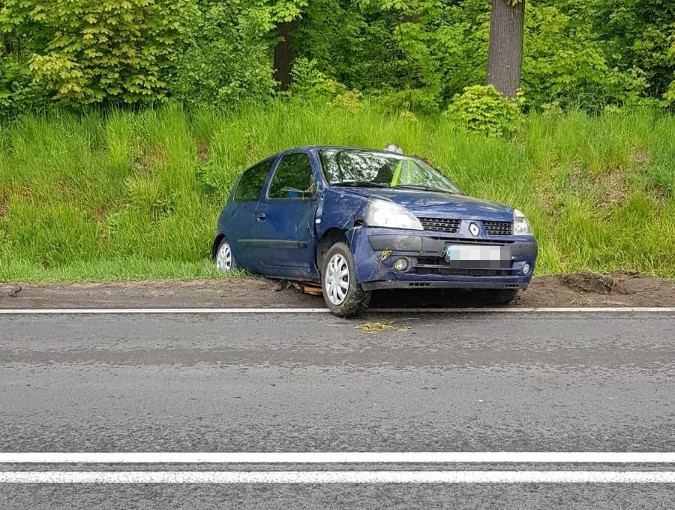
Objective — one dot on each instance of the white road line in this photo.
(338, 458)
(146, 311)
(195, 311)
(312, 477)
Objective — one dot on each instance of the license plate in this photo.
(475, 256)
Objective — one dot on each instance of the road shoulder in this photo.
(575, 290)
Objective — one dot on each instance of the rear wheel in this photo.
(498, 296)
(343, 295)
(224, 259)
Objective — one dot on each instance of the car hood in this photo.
(438, 204)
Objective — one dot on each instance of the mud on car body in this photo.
(357, 220)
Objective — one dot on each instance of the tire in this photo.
(342, 294)
(498, 296)
(224, 260)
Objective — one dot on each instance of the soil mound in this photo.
(594, 283)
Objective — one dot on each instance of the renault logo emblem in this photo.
(473, 228)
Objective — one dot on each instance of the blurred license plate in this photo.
(477, 256)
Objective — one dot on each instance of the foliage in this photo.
(460, 45)
(564, 66)
(669, 95)
(226, 61)
(97, 51)
(383, 48)
(637, 34)
(483, 109)
(17, 90)
(310, 82)
(406, 55)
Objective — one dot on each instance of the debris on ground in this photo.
(380, 327)
(306, 288)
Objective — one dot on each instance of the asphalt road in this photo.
(315, 383)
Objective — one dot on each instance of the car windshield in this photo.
(354, 167)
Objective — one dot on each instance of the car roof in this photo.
(312, 148)
(343, 147)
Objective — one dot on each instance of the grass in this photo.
(135, 195)
(380, 327)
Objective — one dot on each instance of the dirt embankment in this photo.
(620, 289)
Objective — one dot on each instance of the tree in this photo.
(284, 16)
(101, 51)
(638, 35)
(227, 59)
(505, 54)
(285, 53)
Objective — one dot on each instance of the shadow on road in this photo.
(436, 298)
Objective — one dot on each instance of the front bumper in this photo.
(377, 249)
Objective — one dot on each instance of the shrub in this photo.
(564, 65)
(101, 51)
(483, 109)
(226, 61)
(309, 81)
(423, 101)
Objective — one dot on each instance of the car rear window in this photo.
(251, 183)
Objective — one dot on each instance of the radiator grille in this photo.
(441, 225)
(498, 228)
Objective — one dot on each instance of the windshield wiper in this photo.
(422, 187)
(361, 184)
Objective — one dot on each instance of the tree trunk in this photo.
(284, 54)
(505, 56)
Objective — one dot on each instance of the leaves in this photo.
(403, 54)
(98, 51)
(483, 109)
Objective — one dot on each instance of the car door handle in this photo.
(261, 216)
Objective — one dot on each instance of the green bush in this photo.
(483, 109)
(18, 93)
(310, 82)
(101, 51)
(565, 66)
(226, 62)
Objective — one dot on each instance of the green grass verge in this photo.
(136, 195)
(116, 269)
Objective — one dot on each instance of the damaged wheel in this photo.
(343, 295)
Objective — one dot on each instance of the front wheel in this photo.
(343, 295)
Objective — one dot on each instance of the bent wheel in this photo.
(343, 295)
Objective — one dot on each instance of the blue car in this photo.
(358, 220)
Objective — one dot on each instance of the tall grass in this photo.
(136, 195)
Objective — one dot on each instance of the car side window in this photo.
(293, 179)
(252, 182)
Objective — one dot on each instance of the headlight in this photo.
(381, 213)
(520, 224)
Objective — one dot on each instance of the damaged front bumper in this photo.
(434, 260)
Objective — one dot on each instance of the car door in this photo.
(284, 219)
(242, 216)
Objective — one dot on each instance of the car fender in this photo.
(341, 210)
